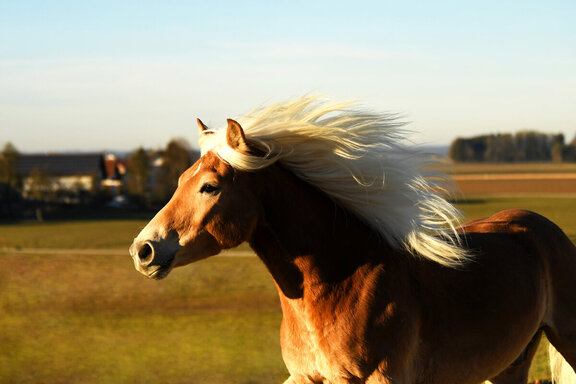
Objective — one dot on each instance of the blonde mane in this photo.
(362, 161)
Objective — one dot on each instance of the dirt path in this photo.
(99, 252)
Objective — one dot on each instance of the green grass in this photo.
(67, 318)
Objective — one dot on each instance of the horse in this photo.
(378, 280)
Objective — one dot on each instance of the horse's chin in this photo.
(160, 273)
(156, 271)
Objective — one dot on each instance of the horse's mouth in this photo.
(153, 259)
(160, 272)
(155, 271)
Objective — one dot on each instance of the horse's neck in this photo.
(306, 240)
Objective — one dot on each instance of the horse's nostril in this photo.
(145, 253)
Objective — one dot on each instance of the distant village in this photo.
(36, 185)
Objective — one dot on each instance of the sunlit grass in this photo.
(71, 234)
(182, 347)
(68, 318)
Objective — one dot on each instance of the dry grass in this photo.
(553, 186)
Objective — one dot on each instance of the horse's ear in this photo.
(204, 130)
(235, 137)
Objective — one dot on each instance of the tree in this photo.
(533, 146)
(499, 148)
(507, 148)
(176, 159)
(9, 166)
(457, 150)
(10, 196)
(139, 172)
(569, 151)
(557, 151)
(41, 189)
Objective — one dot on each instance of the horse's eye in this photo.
(209, 189)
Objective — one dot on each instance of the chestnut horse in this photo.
(377, 282)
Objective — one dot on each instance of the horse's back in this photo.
(513, 221)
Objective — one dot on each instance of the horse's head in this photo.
(213, 208)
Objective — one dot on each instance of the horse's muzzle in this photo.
(151, 259)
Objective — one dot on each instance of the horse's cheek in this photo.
(230, 233)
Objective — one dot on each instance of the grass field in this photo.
(78, 319)
(70, 318)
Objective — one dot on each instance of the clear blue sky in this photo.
(108, 75)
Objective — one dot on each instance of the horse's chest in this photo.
(323, 348)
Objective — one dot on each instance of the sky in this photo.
(116, 75)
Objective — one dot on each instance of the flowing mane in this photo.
(360, 159)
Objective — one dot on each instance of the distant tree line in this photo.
(525, 146)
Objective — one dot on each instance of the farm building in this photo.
(63, 177)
